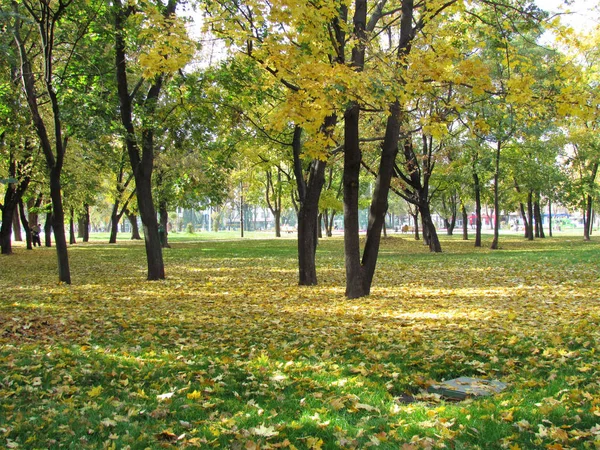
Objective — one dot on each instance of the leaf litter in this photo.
(229, 352)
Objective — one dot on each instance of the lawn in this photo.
(229, 352)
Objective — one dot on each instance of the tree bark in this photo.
(48, 230)
(320, 226)
(539, 225)
(17, 225)
(549, 217)
(164, 222)
(135, 230)
(433, 240)
(26, 226)
(12, 197)
(587, 218)
(589, 200)
(6, 228)
(477, 189)
(529, 233)
(72, 239)
(416, 221)
(85, 223)
(465, 219)
(273, 197)
(114, 223)
(379, 201)
(494, 245)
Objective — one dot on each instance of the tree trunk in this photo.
(494, 245)
(425, 231)
(587, 218)
(539, 232)
(48, 230)
(135, 230)
(72, 239)
(416, 220)
(331, 223)
(525, 221)
(549, 217)
(17, 225)
(352, 157)
(309, 192)
(308, 226)
(530, 234)
(477, 188)
(58, 225)
(81, 226)
(164, 224)
(379, 201)
(320, 226)
(6, 229)
(429, 230)
(26, 226)
(85, 224)
(277, 219)
(114, 223)
(12, 198)
(465, 219)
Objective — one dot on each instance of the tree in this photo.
(57, 41)
(166, 50)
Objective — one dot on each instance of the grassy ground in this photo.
(229, 353)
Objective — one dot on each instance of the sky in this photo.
(581, 15)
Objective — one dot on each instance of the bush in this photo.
(189, 228)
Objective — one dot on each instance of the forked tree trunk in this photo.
(539, 232)
(379, 201)
(309, 192)
(135, 230)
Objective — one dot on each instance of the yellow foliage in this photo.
(166, 46)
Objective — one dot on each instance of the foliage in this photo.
(222, 354)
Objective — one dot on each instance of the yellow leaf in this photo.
(194, 395)
(95, 391)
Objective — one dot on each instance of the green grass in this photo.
(228, 352)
